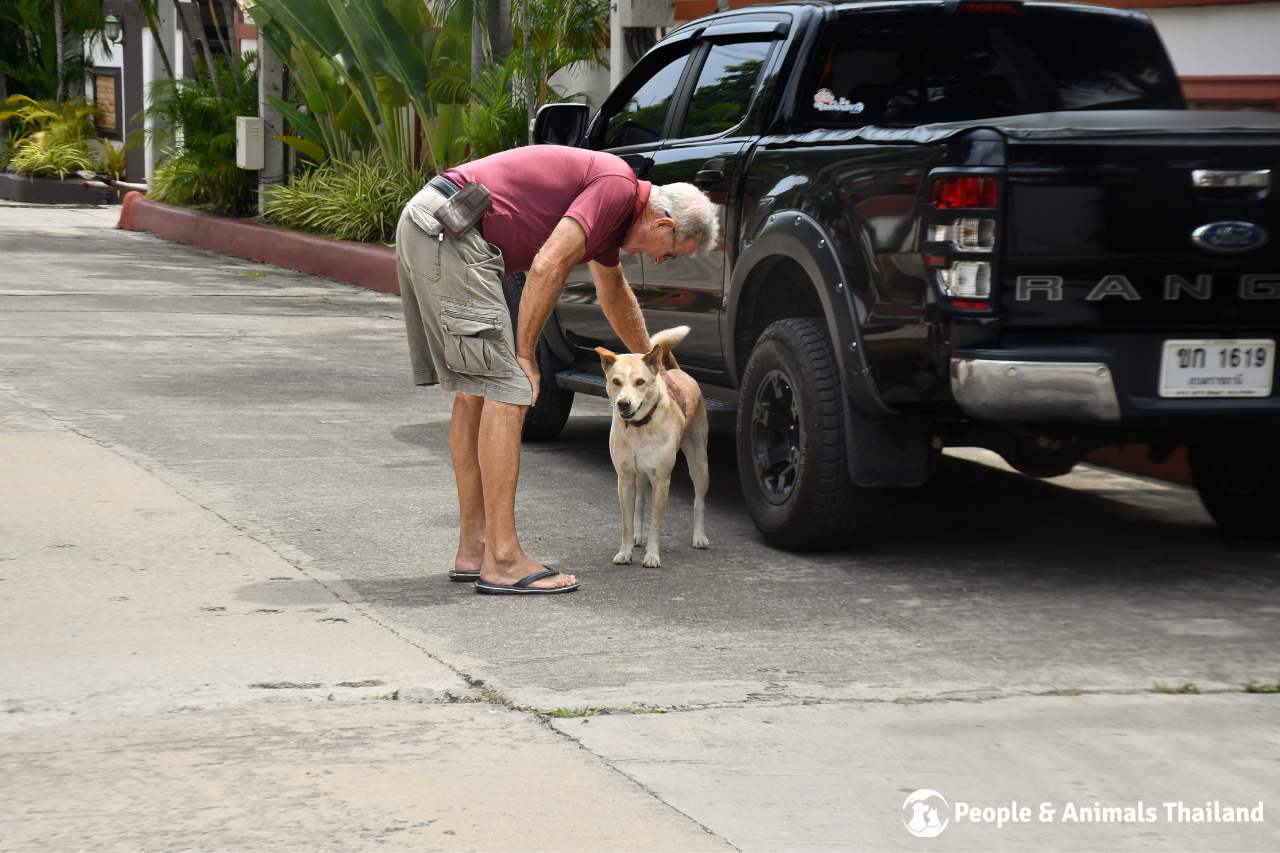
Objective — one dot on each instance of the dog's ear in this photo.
(653, 358)
(607, 358)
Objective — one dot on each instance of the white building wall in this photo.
(582, 80)
(1221, 40)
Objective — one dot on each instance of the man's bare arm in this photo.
(563, 249)
(620, 306)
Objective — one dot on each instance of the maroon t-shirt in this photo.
(534, 187)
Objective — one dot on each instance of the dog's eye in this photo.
(639, 382)
(617, 382)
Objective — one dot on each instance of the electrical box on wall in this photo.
(249, 142)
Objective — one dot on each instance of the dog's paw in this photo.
(623, 558)
(638, 539)
(651, 561)
(701, 542)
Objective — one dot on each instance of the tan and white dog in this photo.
(657, 411)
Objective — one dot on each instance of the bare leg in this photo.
(627, 488)
(638, 523)
(657, 509)
(464, 436)
(695, 454)
(505, 562)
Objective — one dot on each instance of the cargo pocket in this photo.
(473, 340)
(427, 261)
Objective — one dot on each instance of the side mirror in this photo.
(561, 124)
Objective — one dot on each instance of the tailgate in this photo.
(1100, 232)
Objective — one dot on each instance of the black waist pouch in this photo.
(464, 209)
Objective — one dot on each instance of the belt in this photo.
(444, 186)
(448, 188)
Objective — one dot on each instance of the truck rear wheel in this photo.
(792, 460)
(1239, 484)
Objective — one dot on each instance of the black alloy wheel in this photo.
(792, 458)
(775, 437)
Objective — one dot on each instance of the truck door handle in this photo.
(1231, 179)
(709, 178)
(711, 174)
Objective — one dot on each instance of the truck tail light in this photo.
(960, 232)
(966, 235)
(960, 191)
(966, 280)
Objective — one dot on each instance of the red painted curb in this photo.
(1133, 458)
(361, 264)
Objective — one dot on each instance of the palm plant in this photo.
(115, 158)
(379, 49)
(196, 132)
(69, 121)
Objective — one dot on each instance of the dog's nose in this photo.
(624, 409)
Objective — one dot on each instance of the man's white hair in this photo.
(695, 215)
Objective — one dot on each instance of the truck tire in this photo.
(1239, 484)
(792, 460)
(544, 420)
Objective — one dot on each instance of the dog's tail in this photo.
(667, 340)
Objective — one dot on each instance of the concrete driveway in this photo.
(992, 638)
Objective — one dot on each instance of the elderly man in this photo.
(551, 208)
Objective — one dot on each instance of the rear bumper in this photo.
(1105, 379)
(1014, 390)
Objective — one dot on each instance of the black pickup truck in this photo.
(971, 223)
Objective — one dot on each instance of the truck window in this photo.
(640, 118)
(907, 70)
(724, 88)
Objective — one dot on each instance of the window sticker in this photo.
(824, 100)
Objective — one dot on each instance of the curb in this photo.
(360, 264)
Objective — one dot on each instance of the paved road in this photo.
(992, 637)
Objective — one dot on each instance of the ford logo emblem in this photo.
(1229, 237)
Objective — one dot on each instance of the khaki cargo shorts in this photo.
(460, 330)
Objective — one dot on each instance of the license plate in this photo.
(1223, 368)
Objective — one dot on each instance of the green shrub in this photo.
(52, 159)
(358, 200)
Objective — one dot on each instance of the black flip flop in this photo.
(521, 587)
(472, 577)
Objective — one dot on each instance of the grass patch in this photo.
(1064, 691)
(253, 274)
(1186, 688)
(571, 713)
(1262, 687)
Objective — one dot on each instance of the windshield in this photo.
(910, 69)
